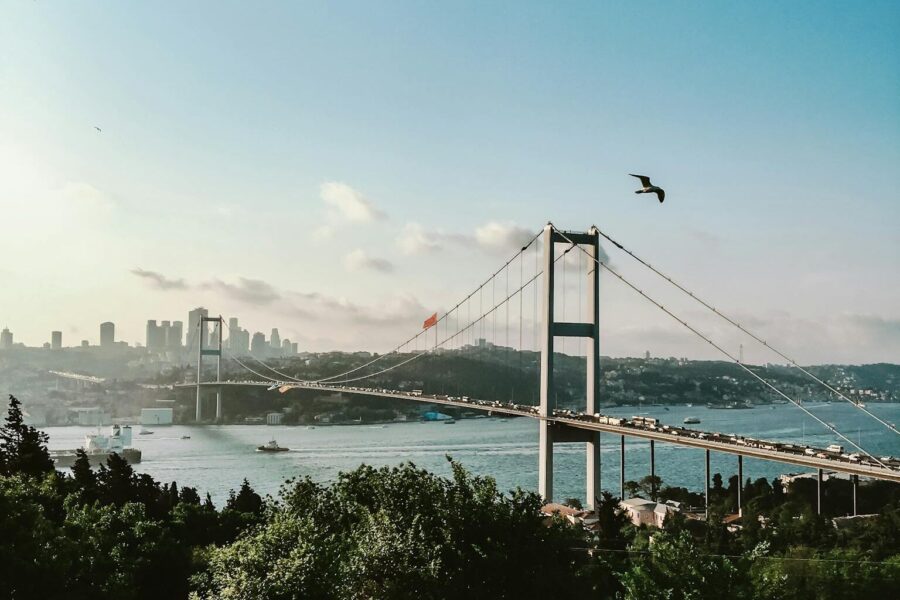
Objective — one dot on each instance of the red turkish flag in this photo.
(430, 321)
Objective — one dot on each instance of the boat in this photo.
(185, 437)
(449, 421)
(272, 446)
(691, 420)
(145, 432)
(99, 447)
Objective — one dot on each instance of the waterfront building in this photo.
(56, 340)
(6, 339)
(107, 334)
(156, 416)
(274, 418)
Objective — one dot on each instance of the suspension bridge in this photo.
(498, 304)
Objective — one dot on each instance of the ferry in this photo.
(691, 420)
(272, 446)
(99, 447)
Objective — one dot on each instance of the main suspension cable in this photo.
(758, 339)
(724, 352)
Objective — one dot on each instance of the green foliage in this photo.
(399, 533)
(676, 568)
(23, 449)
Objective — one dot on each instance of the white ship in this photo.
(99, 447)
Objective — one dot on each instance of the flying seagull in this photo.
(98, 129)
(649, 188)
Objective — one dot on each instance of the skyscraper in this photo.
(195, 332)
(275, 340)
(175, 335)
(258, 346)
(286, 347)
(232, 328)
(107, 334)
(56, 340)
(6, 338)
(155, 337)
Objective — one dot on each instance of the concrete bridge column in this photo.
(854, 482)
(818, 491)
(622, 469)
(707, 485)
(740, 486)
(652, 469)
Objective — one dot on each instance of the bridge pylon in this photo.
(216, 351)
(551, 433)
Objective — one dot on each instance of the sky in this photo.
(341, 170)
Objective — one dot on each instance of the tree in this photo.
(676, 569)
(400, 533)
(23, 449)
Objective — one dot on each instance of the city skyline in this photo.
(380, 176)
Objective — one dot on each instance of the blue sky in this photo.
(774, 127)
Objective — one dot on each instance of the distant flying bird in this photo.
(98, 129)
(649, 188)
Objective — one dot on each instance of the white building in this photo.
(274, 418)
(648, 512)
(156, 416)
(90, 416)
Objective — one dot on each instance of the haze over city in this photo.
(346, 176)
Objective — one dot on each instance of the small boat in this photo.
(449, 421)
(185, 437)
(145, 432)
(691, 420)
(310, 427)
(272, 446)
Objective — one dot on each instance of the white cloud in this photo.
(348, 202)
(502, 236)
(322, 233)
(358, 260)
(415, 240)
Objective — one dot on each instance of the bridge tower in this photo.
(216, 351)
(551, 433)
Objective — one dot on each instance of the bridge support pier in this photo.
(201, 352)
(818, 491)
(740, 486)
(622, 469)
(854, 482)
(653, 470)
(548, 434)
(707, 485)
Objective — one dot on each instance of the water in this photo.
(217, 458)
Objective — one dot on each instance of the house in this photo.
(647, 512)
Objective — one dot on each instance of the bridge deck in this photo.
(631, 430)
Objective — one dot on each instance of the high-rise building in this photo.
(174, 337)
(56, 340)
(6, 339)
(239, 342)
(107, 334)
(293, 347)
(275, 340)
(286, 347)
(156, 336)
(258, 346)
(196, 332)
(233, 326)
(85, 344)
